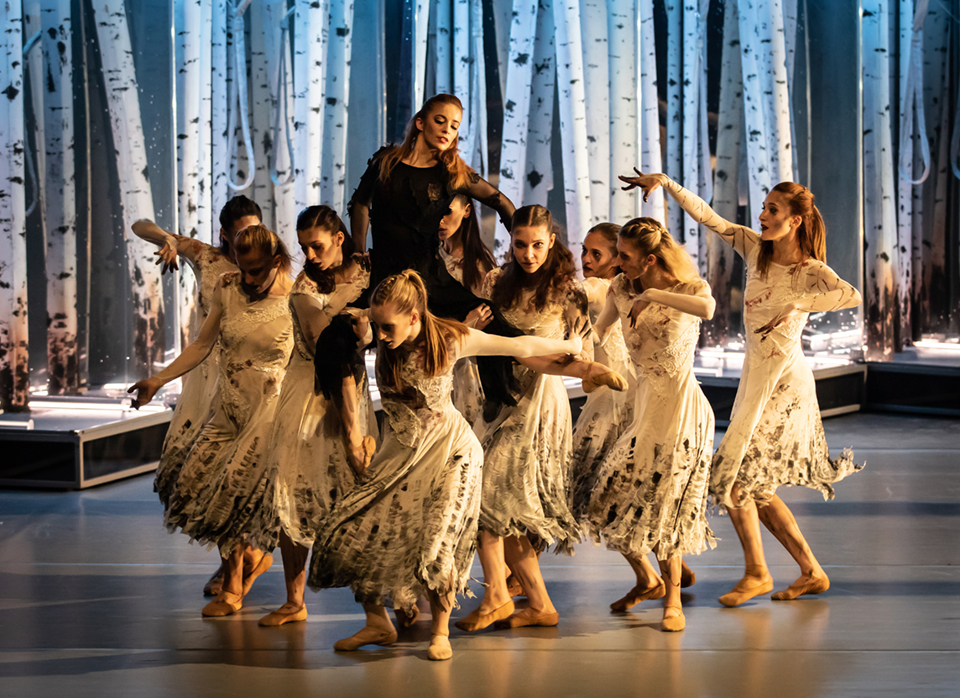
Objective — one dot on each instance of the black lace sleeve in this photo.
(481, 190)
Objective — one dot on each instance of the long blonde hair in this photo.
(408, 293)
(458, 172)
(812, 233)
(649, 236)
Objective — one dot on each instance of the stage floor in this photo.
(97, 600)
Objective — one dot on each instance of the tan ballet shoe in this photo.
(366, 636)
(817, 585)
(687, 576)
(478, 621)
(530, 617)
(404, 619)
(263, 564)
(214, 585)
(673, 624)
(226, 604)
(440, 648)
(741, 592)
(281, 617)
(611, 379)
(636, 595)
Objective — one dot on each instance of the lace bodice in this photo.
(423, 400)
(554, 320)
(330, 304)
(664, 340)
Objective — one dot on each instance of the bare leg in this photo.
(779, 520)
(378, 630)
(230, 598)
(522, 557)
(359, 447)
(440, 607)
(255, 563)
(649, 584)
(295, 579)
(673, 620)
(497, 602)
(756, 579)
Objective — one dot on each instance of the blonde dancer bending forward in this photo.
(650, 492)
(775, 435)
(410, 529)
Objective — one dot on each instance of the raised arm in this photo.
(481, 190)
(169, 243)
(740, 237)
(698, 302)
(189, 358)
(478, 343)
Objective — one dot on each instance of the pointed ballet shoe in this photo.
(611, 379)
(226, 604)
(514, 587)
(817, 586)
(376, 637)
(478, 621)
(214, 585)
(263, 564)
(404, 619)
(738, 594)
(530, 617)
(625, 604)
(687, 577)
(440, 652)
(281, 617)
(673, 624)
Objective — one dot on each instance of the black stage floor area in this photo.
(96, 599)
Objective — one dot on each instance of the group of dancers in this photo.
(274, 442)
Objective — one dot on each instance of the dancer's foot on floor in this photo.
(479, 618)
(636, 595)
(287, 613)
(673, 619)
(530, 617)
(226, 604)
(687, 576)
(214, 585)
(368, 635)
(806, 585)
(748, 587)
(440, 648)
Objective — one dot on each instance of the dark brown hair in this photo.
(477, 259)
(812, 233)
(325, 218)
(236, 208)
(556, 271)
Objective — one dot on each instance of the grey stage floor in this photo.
(97, 600)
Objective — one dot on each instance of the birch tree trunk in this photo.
(463, 67)
(694, 106)
(596, 75)
(758, 156)
(339, 48)
(774, 79)
(624, 46)
(421, 24)
(479, 158)
(35, 157)
(674, 164)
(204, 156)
(63, 375)
(726, 193)
(879, 212)
(538, 173)
(188, 24)
(14, 349)
(516, 105)
(136, 197)
(905, 190)
(309, 77)
(573, 126)
(648, 110)
(279, 77)
(261, 109)
(938, 287)
(220, 142)
(444, 70)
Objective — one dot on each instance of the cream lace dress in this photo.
(527, 447)
(200, 385)
(213, 499)
(651, 489)
(411, 526)
(606, 413)
(306, 464)
(775, 435)
(467, 389)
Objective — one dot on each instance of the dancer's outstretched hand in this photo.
(145, 391)
(647, 182)
(638, 308)
(479, 317)
(581, 332)
(789, 311)
(167, 256)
